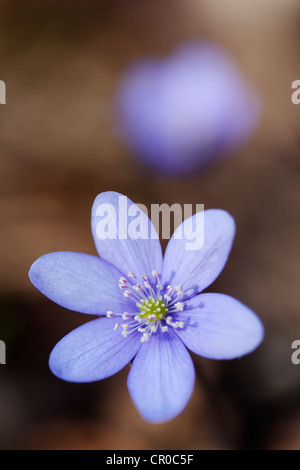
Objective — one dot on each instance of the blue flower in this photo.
(181, 113)
(149, 308)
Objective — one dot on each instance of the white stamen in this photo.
(137, 288)
(145, 337)
(179, 306)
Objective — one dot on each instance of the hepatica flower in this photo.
(180, 113)
(149, 309)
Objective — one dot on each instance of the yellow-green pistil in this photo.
(153, 309)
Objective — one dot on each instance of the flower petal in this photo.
(198, 250)
(161, 378)
(93, 351)
(79, 282)
(124, 235)
(220, 327)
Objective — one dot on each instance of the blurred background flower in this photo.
(180, 113)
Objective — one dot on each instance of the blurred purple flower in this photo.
(149, 308)
(179, 114)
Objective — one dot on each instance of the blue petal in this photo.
(190, 265)
(116, 221)
(161, 378)
(220, 327)
(93, 351)
(79, 282)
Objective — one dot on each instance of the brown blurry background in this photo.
(61, 62)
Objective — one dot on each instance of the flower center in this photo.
(158, 306)
(153, 309)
